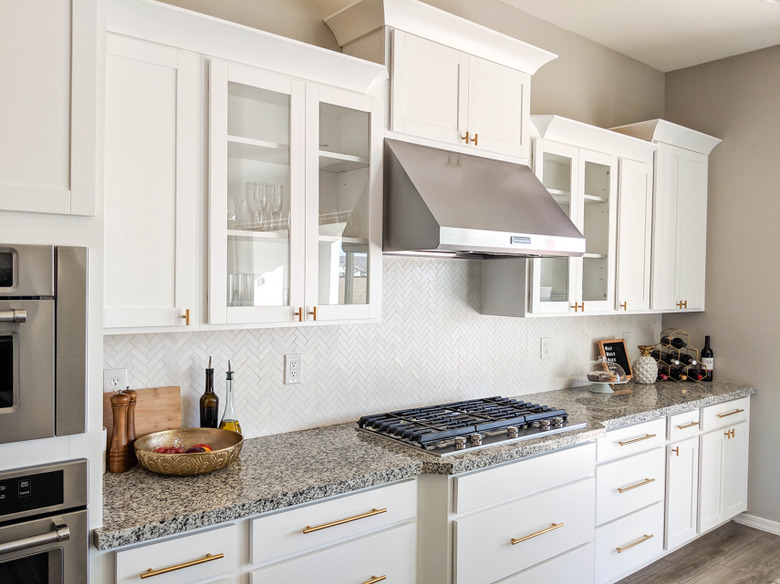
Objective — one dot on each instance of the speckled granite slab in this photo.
(275, 472)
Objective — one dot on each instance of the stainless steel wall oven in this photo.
(43, 313)
(43, 524)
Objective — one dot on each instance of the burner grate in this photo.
(432, 424)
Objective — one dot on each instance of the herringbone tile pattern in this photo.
(432, 345)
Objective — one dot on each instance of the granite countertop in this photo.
(279, 471)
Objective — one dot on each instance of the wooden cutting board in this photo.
(157, 409)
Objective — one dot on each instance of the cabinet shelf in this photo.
(590, 199)
(595, 256)
(268, 235)
(337, 162)
(258, 150)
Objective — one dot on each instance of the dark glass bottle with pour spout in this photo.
(209, 402)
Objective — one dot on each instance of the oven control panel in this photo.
(30, 492)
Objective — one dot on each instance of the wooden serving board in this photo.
(157, 409)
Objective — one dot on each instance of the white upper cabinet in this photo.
(454, 83)
(47, 119)
(294, 204)
(151, 186)
(679, 213)
(449, 96)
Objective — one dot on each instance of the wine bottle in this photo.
(677, 374)
(706, 360)
(662, 376)
(665, 358)
(694, 374)
(687, 359)
(675, 342)
(229, 420)
(209, 402)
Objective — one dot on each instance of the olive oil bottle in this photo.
(229, 419)
(209, 402)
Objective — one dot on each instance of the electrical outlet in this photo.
(114, 379)
(292, 368)
(544, 348)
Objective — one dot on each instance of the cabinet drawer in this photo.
(513, 481)
(388, 553)
(282, 533)
(630, 440)
(130, 564)
(574, 566)
(629, 484)
(725, 414)
(683, 425)
(499, 542)
(627, 544)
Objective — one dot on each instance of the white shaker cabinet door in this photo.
(430, 85)
(682, 486)
(48, 100)
(723, 475)
(634, 235)
(151, 154)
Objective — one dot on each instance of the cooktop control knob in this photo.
(558, 422)
(475, 439)
(512, 431)
(544, 424)
(460, 443)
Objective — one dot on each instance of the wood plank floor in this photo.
(731, 554)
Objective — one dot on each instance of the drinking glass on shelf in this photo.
(262, 205)
(232, 221)
(235, 291)
(244, 217)
(276, 196)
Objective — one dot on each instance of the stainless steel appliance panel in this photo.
(31, 268)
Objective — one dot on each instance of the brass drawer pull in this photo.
(684, 426)
(310, 529)
(645, 437)
(737, 411)
(186, 317)
(676, 451)
(642, 539)
(207, 558)
(375, 579)
(730, 434)
(640, 484)
(527, 537)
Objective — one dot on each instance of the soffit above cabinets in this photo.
(423, 20)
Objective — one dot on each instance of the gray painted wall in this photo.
(736, 99)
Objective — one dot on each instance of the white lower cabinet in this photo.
(629, 484)
(629, 543)
(207, 556)
(387, 556)
(509, 538)
(682, 492)
(560, 569)
(723, 478)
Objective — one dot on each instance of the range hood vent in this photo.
(441, 202)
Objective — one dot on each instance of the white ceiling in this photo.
(666, 34)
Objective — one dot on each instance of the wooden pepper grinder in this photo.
(118, 460)
(133, 395)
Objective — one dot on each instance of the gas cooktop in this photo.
(468, 425)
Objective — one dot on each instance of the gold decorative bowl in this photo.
(226, 446)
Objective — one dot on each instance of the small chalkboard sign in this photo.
(614, 351)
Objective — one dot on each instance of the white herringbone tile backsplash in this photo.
(431, 346)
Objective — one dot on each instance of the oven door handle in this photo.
(60, 532)
(13, 316)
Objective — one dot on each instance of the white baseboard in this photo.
(758, 522)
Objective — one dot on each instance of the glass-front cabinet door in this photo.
(343, 216)
(256, 195)
(555, 279)
(583, 183)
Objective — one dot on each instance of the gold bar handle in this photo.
(737, 411)
(465, 138)
(207, 558)
(475, 140)
(730, 434)
(642, 539)
(676, 451)
(313, 312)
(186, 317)
(375, 579)
(691, 425)
(645, 437)
(624, 306)
(299, 314)
(538, 533)
(640, 484)
(310, 529)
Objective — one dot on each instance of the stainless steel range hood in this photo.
(438, 201)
